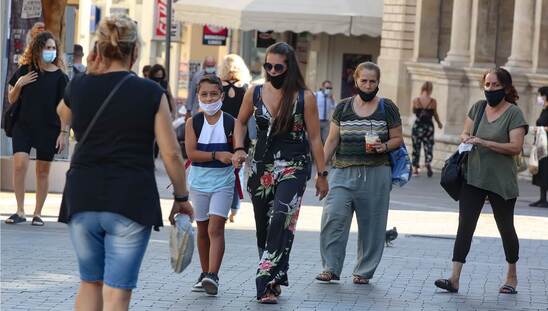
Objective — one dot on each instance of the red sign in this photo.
(161, 18)
(214, 35)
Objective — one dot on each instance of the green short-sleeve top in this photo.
(490, 170)
(352, 130)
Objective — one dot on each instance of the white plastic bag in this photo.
(181, 243)
(532, 165)
(541, 142)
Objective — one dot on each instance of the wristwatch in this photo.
(323, 174)
(180, 198)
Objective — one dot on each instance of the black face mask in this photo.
(277, 81)
(494, 97)
(367, 97)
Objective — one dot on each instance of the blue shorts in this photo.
(109, 247)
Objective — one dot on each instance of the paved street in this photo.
(39, 270)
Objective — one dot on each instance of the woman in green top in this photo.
(491, 173)
(363, 130)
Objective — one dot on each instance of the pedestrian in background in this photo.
(146, 71)
(424, 107)
(326, 104)
(209, 66)
(37, 87)
(364, 128)
(491, 173)
(208, 142)
(111, 201)
(286, 114)
(541, 178)
(158, 74)
(236, 78)
(78, 54)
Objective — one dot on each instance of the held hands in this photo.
(181, 208)
(238, 158)
(26, 79)
(322, 187)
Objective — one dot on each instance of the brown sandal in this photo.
(269, 298)
(327, 276)
(356, 279)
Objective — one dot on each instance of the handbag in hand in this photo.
(452, 176)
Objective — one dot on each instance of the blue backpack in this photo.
(399, 160)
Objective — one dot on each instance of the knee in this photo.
(116, 296)
(19, 167)
(215, 232)
(42, 173)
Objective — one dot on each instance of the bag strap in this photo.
(479, 116)
(100, 111)
(257, 95)
(197, 124)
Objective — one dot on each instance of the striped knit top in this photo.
(352, 131)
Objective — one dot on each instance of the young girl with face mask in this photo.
(36, 87)
(208, 141)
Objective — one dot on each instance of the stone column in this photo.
(540, 41)
(427, 30)
(483, 37)
(459, 53)
(522, 35)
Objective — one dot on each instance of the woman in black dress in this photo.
(541, 178)
(37, 86)
(236, 78)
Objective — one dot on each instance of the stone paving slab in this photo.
(39, 272)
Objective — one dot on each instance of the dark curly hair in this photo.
(505, 79)
(32, 55)
(543, 91)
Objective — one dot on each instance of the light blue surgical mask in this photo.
(48, 56)
(209, 70)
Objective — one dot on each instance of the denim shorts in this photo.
(109, 247)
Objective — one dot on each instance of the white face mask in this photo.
(540, 101)
(327, 92)
(211, 109)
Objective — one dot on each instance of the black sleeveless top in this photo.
(291, 146)
(113, 170)
(231, 105)
(424, 115)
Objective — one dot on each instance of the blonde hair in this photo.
(427, 87)
(234, 68)
(117, 38)
(369, 66)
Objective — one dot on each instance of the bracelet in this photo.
(239, 148)
(213, 155)
(64, 131)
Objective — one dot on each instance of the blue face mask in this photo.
(49, 56)
(209, 70)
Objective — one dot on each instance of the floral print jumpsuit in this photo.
(279, 172)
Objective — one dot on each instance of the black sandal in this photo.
(37, 221)
(508, 289)
(446, 284)
(15, 219)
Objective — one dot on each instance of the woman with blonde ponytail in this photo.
(111, 201)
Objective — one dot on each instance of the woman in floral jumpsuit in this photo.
(286, 115)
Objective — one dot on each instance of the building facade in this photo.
(452, 43)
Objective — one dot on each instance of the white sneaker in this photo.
(210, 284)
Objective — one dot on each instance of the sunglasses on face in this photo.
(278, 68)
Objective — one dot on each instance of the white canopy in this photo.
(350, 17)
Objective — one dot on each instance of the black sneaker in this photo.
(198, 286)
(210, 283)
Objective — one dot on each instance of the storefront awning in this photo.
(350, 17)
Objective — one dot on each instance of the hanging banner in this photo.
(213, 35)
(31, 9)
(160, 23)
